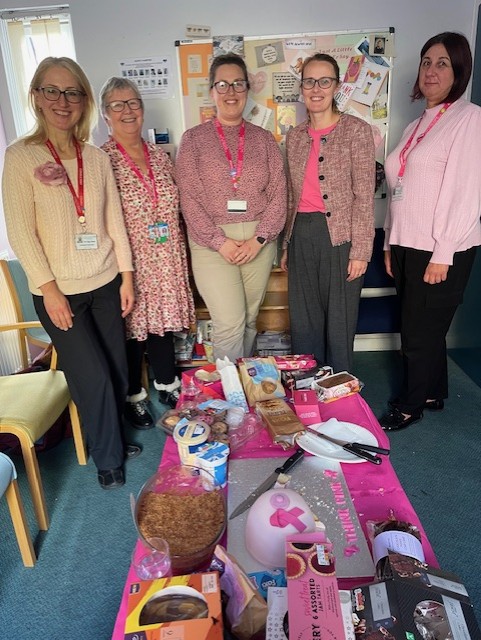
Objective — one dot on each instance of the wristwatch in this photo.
(261, 240)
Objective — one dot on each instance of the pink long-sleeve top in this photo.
(202, 175)
(441, 205)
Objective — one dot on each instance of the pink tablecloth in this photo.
(375, 490)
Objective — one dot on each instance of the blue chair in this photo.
(9, 488)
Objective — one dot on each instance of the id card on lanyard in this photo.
(83, 241)
(398, 190)
(235, 205)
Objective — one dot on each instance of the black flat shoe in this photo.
(434, 405)
(431, 405)
(395, 420)
(111, 478)
(132, 451)
(169, 398)
(138, 416)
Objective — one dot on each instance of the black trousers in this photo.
(323, 306)
(92, 357)
(161, 357)
(427, 311)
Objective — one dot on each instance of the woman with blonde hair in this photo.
(64, 222)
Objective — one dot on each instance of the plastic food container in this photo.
(190, 435)
(182, 505)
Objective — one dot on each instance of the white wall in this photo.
(106, 31)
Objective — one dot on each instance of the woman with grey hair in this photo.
(145, 179)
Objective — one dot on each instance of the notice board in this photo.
(274, 63)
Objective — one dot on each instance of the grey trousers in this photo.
(323, 306)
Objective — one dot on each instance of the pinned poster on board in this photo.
(152, 75)
(274, 64)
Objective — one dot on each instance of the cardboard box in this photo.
(414, 603)
(306, 405)
(314, 604)
(336, 386)
(203, 589)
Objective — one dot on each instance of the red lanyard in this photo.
(235, 172)
(404, 151)
(148, 184)
(78, 199)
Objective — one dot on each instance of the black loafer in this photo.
(132, 451)
(431, 405)
(395, 420)
(111, 478)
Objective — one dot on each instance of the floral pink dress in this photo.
(163, 297)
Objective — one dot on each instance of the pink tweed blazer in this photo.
(347, 172)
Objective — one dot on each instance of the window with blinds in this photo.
(27, 37)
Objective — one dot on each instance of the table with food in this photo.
(276, 513)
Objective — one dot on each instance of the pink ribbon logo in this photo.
(281, 518)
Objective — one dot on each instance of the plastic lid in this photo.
(191, 433)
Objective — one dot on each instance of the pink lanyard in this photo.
(150, 183)
(235, 172)
(78, 199)
(404, 152)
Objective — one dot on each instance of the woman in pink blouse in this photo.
(433, 222)
(145, 178)
(330, 225)
(233, 197)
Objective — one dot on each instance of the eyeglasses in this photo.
(119, 105)
(53, 94)
(239, 86)
(324, 83)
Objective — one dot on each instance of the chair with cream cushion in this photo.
(9, 488)
(30, 403)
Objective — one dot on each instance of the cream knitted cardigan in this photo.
(42, 221)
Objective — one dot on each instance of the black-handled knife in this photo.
(267, 484)
(356, 448)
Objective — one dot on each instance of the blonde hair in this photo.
(88, 119)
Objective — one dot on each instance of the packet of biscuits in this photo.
(261, 379)
(280, 420)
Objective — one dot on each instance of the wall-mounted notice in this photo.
(153, 76)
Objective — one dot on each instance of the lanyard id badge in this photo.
(397, 192)
(84, 241)
(158, 232)
(236, 206)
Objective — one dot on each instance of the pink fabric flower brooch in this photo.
(51, 174)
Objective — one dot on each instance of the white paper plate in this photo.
(337, 429)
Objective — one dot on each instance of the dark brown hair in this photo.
(459, 53)
(228, 58)
(322, 57)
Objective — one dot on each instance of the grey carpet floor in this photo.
(74, 591)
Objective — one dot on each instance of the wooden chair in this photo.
(30, 403)
(9, 488)
(15, 287)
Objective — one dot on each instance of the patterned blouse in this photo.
(163, 297)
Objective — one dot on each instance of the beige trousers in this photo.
(232, 293)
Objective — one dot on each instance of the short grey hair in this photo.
(112, 85)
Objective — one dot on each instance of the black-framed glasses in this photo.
(119, 105)
(324, 83)
(239, 86)
(53, 94)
